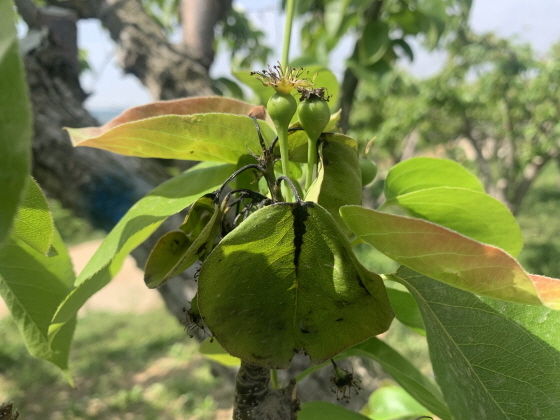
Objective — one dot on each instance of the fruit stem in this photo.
(311, 161)
(290, 7)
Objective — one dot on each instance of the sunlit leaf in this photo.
(15, 121)
(136, 225)
(493, 359)
(184, 106)
(213, 351)
(472, 213)
(33, 223)
(287, 280)
(262, 92)
(205, 137)
(394, 403)
(33, 285)
(339, 181)
(177, 251)
(374, 42)
(406, 309)
(450, 257)
(420, 173)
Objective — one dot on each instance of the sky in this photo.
(532, 21)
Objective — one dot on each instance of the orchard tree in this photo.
(493, 99)
(279, 276)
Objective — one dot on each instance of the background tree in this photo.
(493, 102)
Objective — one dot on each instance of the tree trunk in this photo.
(350, 81)
(104, 185)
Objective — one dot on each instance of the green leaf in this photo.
(33, 223)
(206, 137)
(184, 106)
(472, 213)
(177, 251)
(231, 87)
(262, 92)
(420, 173)
(165, 255)
(15, 121)
(339, 179)
(450, 257)
(320, 410)
(406, 310)
(284, 280)
(212, 350)
(33, 285)
(394, 403)
(374, 42)
(403, 372)
(405, 47)
(136, 225)
(492, 359)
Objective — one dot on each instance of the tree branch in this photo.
(350, 80)
(168, 71)
(198, 18)
(255, 400)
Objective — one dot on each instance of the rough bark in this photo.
(255, 400)
(94, 184)
(198, 19)
(168, 70)
(350, 80)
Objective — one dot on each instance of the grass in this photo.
(124, 367)
(145, 367)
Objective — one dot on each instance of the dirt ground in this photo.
(125, 293)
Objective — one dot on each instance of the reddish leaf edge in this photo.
(547, 289)
(184, 106)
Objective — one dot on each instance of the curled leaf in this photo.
(178, 250)
(286, 280)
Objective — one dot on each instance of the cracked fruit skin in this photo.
(286, 280)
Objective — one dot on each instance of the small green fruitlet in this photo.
(369, 170)
(313, 112)
(281, 107)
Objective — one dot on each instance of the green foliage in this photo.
(493, 95)
(279, 298)
(23, 272)
(246, 43)
(447, 256)
(338, 179)
(464, 358)
(136, 225)
(538, 218)
(33, 223)
(280, 275)
(15, 122)
(393, 403)
(178, 250)
(401, 369)
(192, 137)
